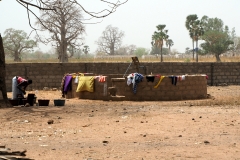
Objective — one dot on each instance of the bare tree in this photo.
(29, 5)
(126, 50)
(110, 40)
(131, 49)
(64, 25)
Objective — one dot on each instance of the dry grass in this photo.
(128, 59)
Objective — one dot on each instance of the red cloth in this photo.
(20, 80)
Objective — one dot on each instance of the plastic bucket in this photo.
(59, 102)
(13, 102)
(43, 102)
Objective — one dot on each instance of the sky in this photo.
(137, 19)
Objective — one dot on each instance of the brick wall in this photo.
(50, 74)
(193, 87)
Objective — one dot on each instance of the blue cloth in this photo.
(138, 78)
(174, 80)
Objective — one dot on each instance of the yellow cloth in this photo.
(85, 83)
(160, 80)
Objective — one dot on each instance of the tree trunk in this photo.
(193, 48)
(161, 54)
(3, 91)
(16, 57)
(112, 49)
(196, 50)
(218, 57)
(63, 57)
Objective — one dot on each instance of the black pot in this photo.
(150, 78)
(43, 102)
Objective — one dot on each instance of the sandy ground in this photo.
(99, 130)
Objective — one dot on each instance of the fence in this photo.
(50, 74)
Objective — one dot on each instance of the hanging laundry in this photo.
(137, 79)
(102, 79)
(150, 78)
(85, 83)
(206, 76)
(183, 77)
(76, 79)
(174, 79)
(130, 78)
(160, 80)
(67, 83)
(179, 78)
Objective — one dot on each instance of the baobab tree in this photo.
(41, 5)
(110, 40)
(65, 26)
(16, 42)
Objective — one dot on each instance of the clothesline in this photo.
(85, 83)
(135, 78)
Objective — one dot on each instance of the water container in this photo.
(15, 90)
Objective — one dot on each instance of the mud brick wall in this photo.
(193, 87)
(100, 89)
(50, 74)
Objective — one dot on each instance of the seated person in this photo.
(22, 84)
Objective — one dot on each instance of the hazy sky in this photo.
(137, 19)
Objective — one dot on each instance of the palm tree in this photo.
(195, 30)
(159, 36)
(188, 24)
(198, 33)
(169, 44)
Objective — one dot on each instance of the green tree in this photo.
(187, 50)
(16, 42)
(139, 52)
(237, 41)
(157, 51)
(159, 37)
(217, 38)
(195, 31)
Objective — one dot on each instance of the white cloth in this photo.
(76, 79)
(130, 79)
(183, 77)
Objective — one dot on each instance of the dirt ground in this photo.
(99, 130)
